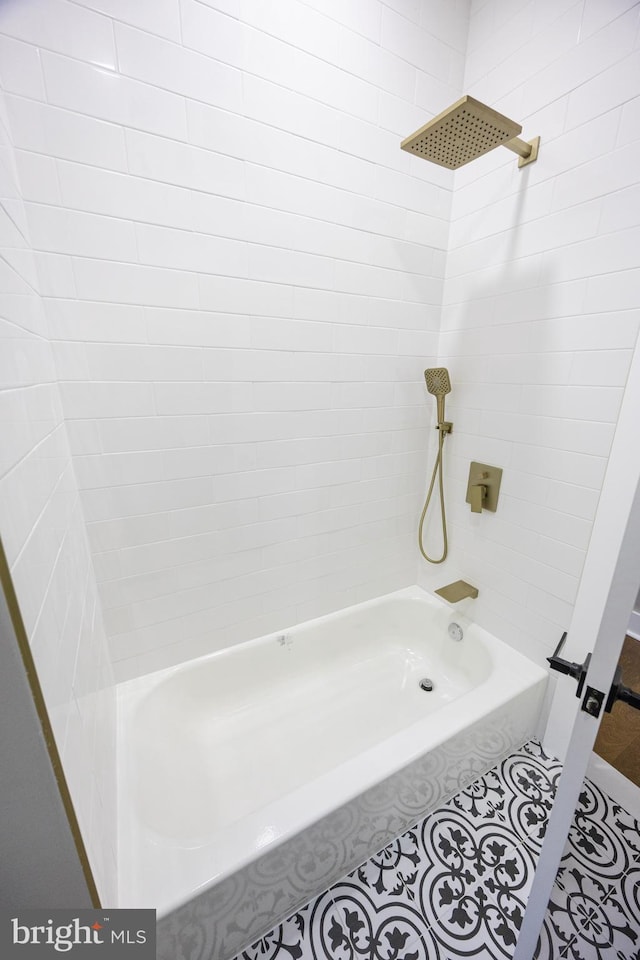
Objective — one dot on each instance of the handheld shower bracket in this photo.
(446, 426)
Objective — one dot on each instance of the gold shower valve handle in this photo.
(478, 493)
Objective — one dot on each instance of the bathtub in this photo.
(255, 777)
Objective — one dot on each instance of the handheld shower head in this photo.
(438, 384)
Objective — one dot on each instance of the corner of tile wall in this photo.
(540, 318)
(45, 539)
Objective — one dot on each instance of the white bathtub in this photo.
(255, 777)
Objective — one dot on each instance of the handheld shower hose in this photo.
(438, 384)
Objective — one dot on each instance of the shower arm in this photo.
(521, 147)
(527, 150)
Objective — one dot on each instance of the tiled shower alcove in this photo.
(456, 885)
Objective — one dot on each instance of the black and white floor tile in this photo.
(594, 912)
(456, 885)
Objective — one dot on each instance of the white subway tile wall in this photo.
(45, 539)
(242, 278)
(541, 308)
(242, 275)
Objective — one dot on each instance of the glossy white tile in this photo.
(102, 93)
(156, 16)
(173, 67)
(67, 28)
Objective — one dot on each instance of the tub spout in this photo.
(453, 592)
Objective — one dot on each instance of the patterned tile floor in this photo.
(455, 886)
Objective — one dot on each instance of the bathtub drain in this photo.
(426, 685)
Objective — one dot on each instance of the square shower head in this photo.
(465, 130)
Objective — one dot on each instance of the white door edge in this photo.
(606, 595)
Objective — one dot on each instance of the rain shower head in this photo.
(467, 130)
(438, 384)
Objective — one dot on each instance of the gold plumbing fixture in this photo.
(477, 493)
(466, 130)
(460, 590)
(438, 385)
(483, 487)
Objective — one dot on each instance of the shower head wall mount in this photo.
(466, 130)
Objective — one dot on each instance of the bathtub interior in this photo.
(251, 724)
(229, 756)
